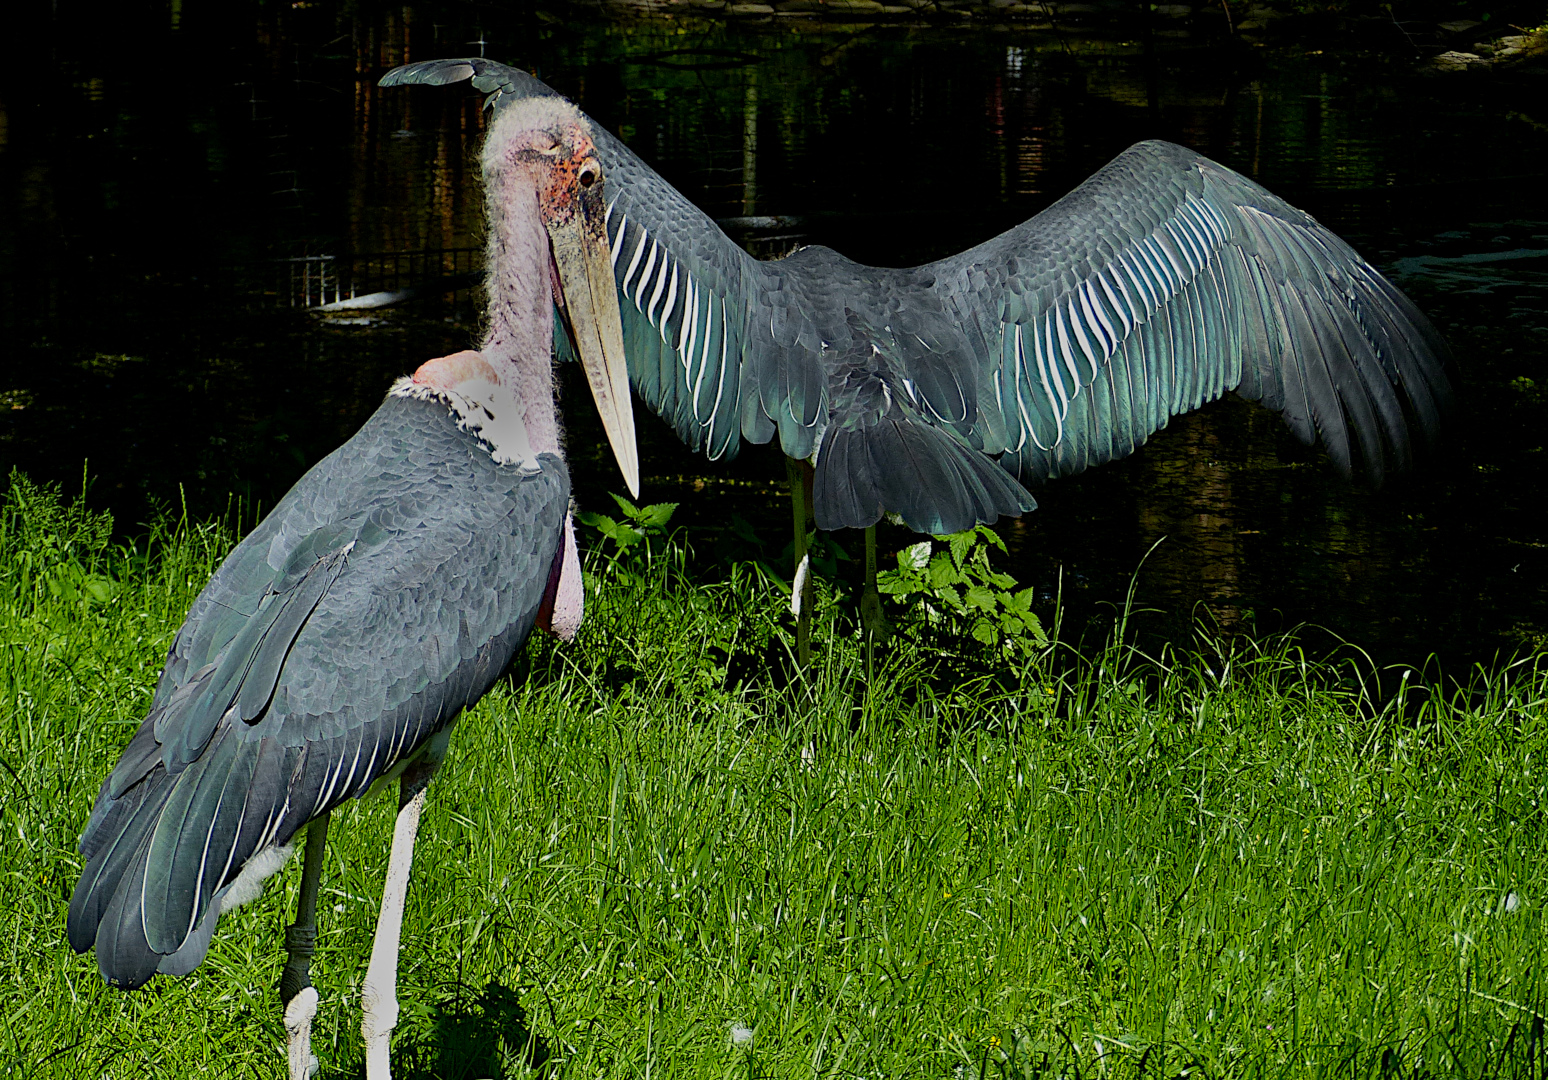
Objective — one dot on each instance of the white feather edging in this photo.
(487, 411)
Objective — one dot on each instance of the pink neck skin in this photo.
(520, 341)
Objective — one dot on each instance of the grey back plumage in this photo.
(384, 593)
(1160, 283)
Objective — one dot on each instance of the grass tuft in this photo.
(657, 853)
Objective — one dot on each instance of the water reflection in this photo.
(139, 293)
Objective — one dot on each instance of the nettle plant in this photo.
(636, 539)
(955, 589)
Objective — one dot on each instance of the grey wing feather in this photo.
(384, 593)
(1166, 280)
(500, 81)
(682, 292)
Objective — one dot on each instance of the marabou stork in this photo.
(335, 647)
(1160, 283)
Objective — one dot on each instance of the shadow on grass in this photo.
(488, 1036)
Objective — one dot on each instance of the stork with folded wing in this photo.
(335, 647)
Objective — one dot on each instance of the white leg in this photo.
(379, 995)
(296, 993)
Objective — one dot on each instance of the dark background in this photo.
(160, 163)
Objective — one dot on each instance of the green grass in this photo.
(1098, 866)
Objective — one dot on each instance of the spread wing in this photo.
(1164, 281)
(1157, 285)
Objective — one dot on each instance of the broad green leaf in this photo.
(1018, 602)
(981, 598)
(656, 515)
(961, 544)
(915, 557)
(993, 537)
(942, 573)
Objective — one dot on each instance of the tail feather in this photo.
(192, 841)
(124, 955)
(118, 842)
(933, 480)
(162, 851)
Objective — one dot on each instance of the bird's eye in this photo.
(590, 173)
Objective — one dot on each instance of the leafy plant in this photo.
(51, 547)
(636, 538)
(955, 588)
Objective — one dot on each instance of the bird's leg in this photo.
(379, 995)
(297, 997)
(800, 474)
(871, 617)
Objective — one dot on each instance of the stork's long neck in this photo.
(519, 344)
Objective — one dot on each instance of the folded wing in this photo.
(386, 592)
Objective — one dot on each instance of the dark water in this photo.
(157, 167)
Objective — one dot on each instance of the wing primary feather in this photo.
(1121, 308)
(645, 276)
(698, 381)
(1092, 303)
(690, 336)
(1166, 286)
(1022, 388)
(657, 293)
(1066, 351)
(1177, 254)
(1056, 399)
(725, 338)
(1078, 328)
(206, 884)
(1230, 349)
(720, 385)
(1051, 354)
(167, 902)
(709, 334)
(1129, 261)
(617, 242)
(666, 312)
(1200, 376)
(639, 249)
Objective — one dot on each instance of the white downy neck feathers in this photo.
(485, 410)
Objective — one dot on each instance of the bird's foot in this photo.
(380, 1016)
(298, 1034)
